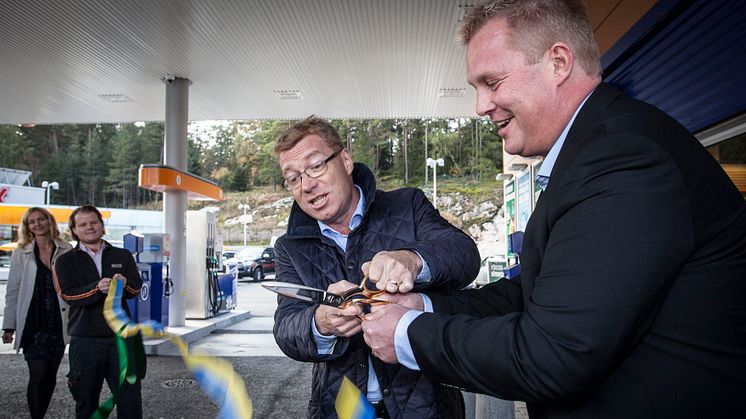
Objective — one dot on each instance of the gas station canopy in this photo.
(104, 60)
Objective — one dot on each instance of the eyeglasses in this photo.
(313, 171)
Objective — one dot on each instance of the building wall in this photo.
(611, 19)
(16, 194)
(116, 221)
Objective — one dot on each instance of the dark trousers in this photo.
(93, 360)
(41, 383)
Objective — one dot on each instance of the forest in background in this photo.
(98, 163)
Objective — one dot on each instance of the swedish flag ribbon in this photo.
(216, 376)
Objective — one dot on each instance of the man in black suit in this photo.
(632, 296)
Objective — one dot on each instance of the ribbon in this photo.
(351, 404)
(216, 376)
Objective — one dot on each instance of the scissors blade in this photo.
(301, 292)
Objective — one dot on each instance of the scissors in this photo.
(360, 294)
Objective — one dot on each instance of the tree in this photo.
(98, 163)
(93, 166)
(266, 170)
(195, 155)
(123, 165)
(13, 148)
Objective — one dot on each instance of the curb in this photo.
(193, 330)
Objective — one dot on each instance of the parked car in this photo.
(229, 254)
(228, 258)
(253, 261)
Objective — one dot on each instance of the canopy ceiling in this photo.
(104, 60)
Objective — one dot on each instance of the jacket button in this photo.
(362, 365)
(351, 266)
(386, 392)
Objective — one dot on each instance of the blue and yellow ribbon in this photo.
(351, 404)
(216, 376)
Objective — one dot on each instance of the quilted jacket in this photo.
(396, 220)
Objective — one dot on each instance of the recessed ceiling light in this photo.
(288, 94)
(451, 92)
(463, 9)
(115, 97)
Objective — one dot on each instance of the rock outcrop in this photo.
(484, 220)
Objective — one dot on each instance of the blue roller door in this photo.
(686, 57)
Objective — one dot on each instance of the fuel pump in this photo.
(214, 294)
(515, 248)
(140, 306)
(208, 292)
(155, 255)
(151, 252)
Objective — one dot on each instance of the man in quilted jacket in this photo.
(341, 228)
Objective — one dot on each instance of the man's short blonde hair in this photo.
(311, 125)
(537, 24)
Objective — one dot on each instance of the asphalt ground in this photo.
(278, 388)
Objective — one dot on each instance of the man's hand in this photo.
(8, 337)
(333, 321)
(409, 300)
(393, 271)
(379, 328)
(103, 284)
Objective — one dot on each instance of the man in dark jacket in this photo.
(631, 301)
(340, 228)
(82, 278)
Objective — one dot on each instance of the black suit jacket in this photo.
(632, 297)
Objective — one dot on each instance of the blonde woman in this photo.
(33, 310)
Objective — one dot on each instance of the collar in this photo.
(355, 221)
(29, 248)
(542, 176)
(85, 248)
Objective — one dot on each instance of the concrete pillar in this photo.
(175, 202)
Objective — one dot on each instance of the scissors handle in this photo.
(347, 295)
(362, 294)
(333, 300)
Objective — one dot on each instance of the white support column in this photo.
(175, 202)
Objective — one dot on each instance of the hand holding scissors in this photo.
(340, 321)
(341, 306)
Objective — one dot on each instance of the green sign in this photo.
(509, 199)
(537, 187)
